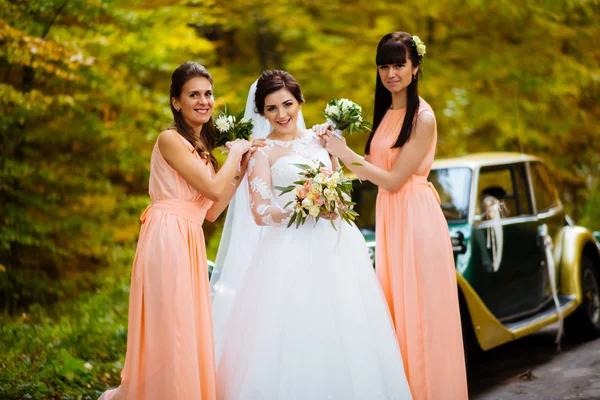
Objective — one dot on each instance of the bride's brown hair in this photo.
(272, 81)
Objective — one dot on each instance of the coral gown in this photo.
(415, 266)
(170, 352)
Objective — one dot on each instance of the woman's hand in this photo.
(329, 215)
(321, 129)
(335, 145)
(254, 145)
(238, 146)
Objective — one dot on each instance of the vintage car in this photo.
(520, 260)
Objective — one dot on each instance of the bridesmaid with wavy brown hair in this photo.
(170, 351)
(419, 283)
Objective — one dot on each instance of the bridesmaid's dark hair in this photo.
(395, 48)
(204, 144)
(272, 81)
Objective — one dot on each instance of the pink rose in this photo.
(302, 193)
(326, 171)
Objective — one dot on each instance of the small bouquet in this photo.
(232, 127)
(320, 193)
(344, 114)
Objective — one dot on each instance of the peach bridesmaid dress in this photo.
(170, 351)
(415, 266)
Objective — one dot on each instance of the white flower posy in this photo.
(232, 127)
(342, 114)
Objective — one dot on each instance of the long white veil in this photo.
(239, 239)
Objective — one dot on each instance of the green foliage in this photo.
(83, 93)
(73, 350)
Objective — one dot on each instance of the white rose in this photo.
(314, 211)
(320, 178)
(315, 188)
(332, 110)
(307, 203)
(345, 104)
(330, 194)
(333, 179)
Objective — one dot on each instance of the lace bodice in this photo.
(272, 166)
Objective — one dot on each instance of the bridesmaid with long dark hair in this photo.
(170, 351)
(414, 258)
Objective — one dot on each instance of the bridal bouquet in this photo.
(344, 114)
(231, 127)
(320, 192)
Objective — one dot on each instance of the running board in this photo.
(547, 312)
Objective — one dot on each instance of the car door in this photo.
(512, 290)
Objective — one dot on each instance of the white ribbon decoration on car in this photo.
(547, 242)
(495, 237)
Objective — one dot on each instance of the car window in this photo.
(506, 183)
(543, 189)
(523, 195)
(454, 186)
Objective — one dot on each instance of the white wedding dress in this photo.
(309, 320)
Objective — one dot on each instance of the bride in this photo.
(298, 313)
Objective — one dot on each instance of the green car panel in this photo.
(517, 298)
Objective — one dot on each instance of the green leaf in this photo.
(332, 224)
(284, 190)
(303, 166)
(294, 216)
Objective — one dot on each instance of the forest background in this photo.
(84, 94)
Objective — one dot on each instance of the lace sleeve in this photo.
(265, 209)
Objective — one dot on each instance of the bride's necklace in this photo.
(283, 138)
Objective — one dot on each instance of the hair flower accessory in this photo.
(419, 45)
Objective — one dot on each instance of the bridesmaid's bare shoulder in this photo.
(425, 129)
(168, 137)
(426, 120)
(170, 143)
